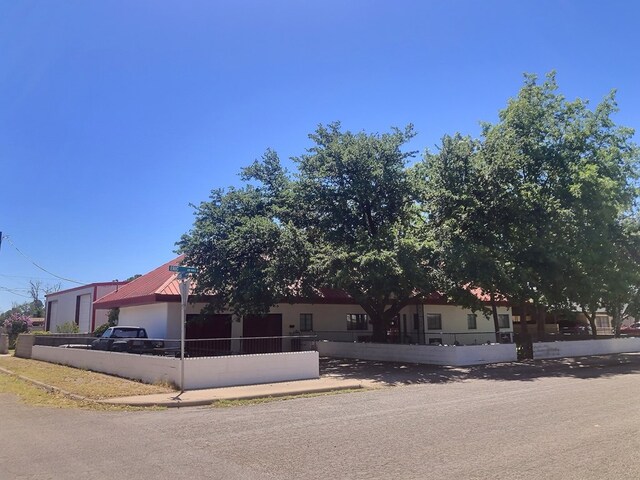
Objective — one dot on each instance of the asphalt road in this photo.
(568, 422)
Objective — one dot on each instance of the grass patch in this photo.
(92, 385)
(262, 400)
(35, 396)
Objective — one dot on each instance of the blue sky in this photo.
(115, 115)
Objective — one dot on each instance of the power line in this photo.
(30, 277)
(12, 291)
(6, 237)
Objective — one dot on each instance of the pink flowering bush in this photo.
(16, 324)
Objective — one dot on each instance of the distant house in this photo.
(77, 305)
(152, 301)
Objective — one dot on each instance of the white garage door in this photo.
(52, 315)
(84, 313)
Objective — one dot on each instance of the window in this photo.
(357, 321)
(434, 321)
(472, 321)
(416, 321)
(602, 321)
(306, 322)
(503, 320)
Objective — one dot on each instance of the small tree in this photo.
(15, 325)
(68, 327)
(112, 321)
(112, 317)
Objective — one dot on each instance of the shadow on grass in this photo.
(390, 373)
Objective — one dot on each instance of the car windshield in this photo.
(107, 333)
(128, 333)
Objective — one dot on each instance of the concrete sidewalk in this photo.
(207, 396)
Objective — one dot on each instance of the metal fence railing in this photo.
(244, 345)
(421, 338)
(56, 340)
(207, 347)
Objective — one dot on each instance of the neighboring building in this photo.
(37, 324)
(152, 301)
(77, 305)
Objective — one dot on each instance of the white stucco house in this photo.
(77, 305)
(152, 301)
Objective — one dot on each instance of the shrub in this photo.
(16, 324)
(68, 327)
(101, 329)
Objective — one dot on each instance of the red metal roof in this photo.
(162, 285)
(159, 285)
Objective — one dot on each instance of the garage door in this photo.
(52, 316)
(83, 313)
(266, 327)
(207, 335)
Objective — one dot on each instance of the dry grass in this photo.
(38, 397)
(87, 384)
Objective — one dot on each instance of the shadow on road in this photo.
(389, 373)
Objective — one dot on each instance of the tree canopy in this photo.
(538, 210)
(347, 219)
(534, 209)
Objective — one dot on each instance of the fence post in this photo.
(4, 343)
(24, 345)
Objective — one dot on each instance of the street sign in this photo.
(181, 269)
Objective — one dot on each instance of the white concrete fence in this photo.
(4, 343)
(583, 348)
(203, 372)
(427, 354)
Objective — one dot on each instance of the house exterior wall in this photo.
(456, 329)
(101, 316)
(153, 318)
(330, 322)
(328, 318)
(65, 308)
(60, 307)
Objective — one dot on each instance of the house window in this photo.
(503, 320)
(602, 321)
(472, 321)
(306, 322)
(357, 321)
(434, 321)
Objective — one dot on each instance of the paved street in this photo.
(543, 421)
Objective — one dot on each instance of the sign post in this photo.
(185, 285)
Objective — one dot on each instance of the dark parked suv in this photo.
(126, 339)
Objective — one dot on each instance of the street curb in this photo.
(210, 401)
(171, 403)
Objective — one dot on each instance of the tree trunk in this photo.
(494, 312)
(591, 316)
(524, 328)
(541, 313)
(379, 330)
(617, 320)
(525, 339)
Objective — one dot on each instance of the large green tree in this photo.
(532, 210)
(349, 219)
